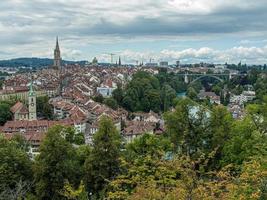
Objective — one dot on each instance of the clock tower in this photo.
(32, 104)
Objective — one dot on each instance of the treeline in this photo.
(33, 62)
(204, 154)
(147, 92)
(158, 92)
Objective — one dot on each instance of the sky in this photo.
(192, 31)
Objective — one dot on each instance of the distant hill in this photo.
(33, 62)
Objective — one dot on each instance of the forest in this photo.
(202, 155)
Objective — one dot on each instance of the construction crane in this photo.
(111, 57)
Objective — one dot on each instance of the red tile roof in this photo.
(16, 107)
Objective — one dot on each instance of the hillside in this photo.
(33, 62)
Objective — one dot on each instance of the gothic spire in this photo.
(119, 61)
(57, 45)
(57, 58)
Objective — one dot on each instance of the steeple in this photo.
(57, 58)
(31, 91)
(119, 61)
(57, 45)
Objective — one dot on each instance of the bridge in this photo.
(200, 76)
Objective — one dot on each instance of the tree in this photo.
(56, 163)
(74, 194)
(151, 178)
(128, 103)
(258, 115)
(43, 108)
(252, 182)
(72, 137)
(244, 142)
(167, 96)
(153, 96)
(15, 166)
(220, 126)
(98, 98)
(5, 113)
(217, 89)
(147, 144)
(118, 94)
(111, 102)
(21, 190)
(196, 85)
(187, 128)
(260, 88)
(191, 93)
(140, 92)
(103, 163)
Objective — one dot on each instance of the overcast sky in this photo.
(191, 31)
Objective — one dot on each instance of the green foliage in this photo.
(197, 86)
(251, 184)
(140, 90)
(167, 96)
(260, 87)
(171, 79)
(118, 94)
(74, 194)
(147, 145)
(98, 98)
(43, 108)
(146, 92)
(5, 113)
(217, 89)
(220, 123)
(103, 163)
(20, 142)
(150, 178)
(245, 141)
(191, 93)
(187, 131)
(111, 102)
(56, 163)
(220, 126)
(15, 164)
(72, 137)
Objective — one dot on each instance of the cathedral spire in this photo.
(57, 45)
(119, 61)
(57, 57)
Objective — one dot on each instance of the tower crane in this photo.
(111, 57)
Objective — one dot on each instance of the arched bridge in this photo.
(197, 77)
(207, 75)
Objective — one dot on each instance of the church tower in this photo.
(57, 58)
(119, 61)
(32, 104)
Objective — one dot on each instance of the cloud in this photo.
(249, 55)
(28, 28)
(157, 17)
